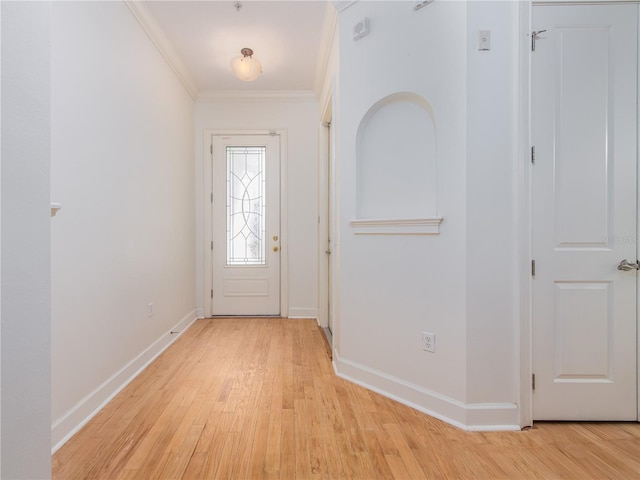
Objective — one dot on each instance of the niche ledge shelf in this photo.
(397, 226)
(55, 208)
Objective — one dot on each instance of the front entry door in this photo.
(246, 225)
(584, 178)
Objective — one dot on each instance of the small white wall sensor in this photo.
(361, 29)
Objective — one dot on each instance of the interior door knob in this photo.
(625, 265)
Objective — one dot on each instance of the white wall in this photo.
(122, 168)
(25, 259)
(458, 284)
(300, 119)
(492, 261)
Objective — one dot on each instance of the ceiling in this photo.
(286, 37)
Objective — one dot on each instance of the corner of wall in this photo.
(471, 417)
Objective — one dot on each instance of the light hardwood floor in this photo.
(258, 399)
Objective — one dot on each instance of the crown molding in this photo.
(326, 44)
(342, 5)
(257, 96)
(162, 43)
(582, 2)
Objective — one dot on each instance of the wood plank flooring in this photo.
(258, 399)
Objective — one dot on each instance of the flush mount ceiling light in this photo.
(246, 67)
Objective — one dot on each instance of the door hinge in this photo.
(211, 149)
(211, 197)
(533, 381)
(533, 268)
(533, 155)
(534, 35)
(212, 293)
(211, 244)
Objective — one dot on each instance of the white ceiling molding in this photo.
(257, 96)
(582, 2)
(162, 43)
(326, 44)
(342, 5)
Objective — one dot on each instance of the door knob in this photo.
(275, 249)
(625, 265)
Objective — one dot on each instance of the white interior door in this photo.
(584, 178)
(246, 225)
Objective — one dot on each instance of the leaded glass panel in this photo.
(246, 206)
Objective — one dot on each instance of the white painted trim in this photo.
(63, 428)
(523, 220)
(55, 208)
(284, 222)
(49, 360)
(336, 247)
(583, 2)
(323, 226)
(324, 159)
(637, 223)
(472, 417)
(207, 179)
(397, 226)
(257, 96)
(303, 313)
(157, 36)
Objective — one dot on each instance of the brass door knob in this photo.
(275, 249)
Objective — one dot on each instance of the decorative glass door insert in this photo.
(246, 206)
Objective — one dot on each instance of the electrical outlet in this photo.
(429, 342)
(150, 310)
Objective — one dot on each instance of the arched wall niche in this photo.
(396, 167)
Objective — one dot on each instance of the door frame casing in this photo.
(525, 231)
(523, 209)
(207, 181)
(324, 192)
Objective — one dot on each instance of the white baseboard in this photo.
(63, 428)
(472, 417)
(200, 312)
(303, 313)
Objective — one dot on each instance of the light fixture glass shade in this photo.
(246, 67)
